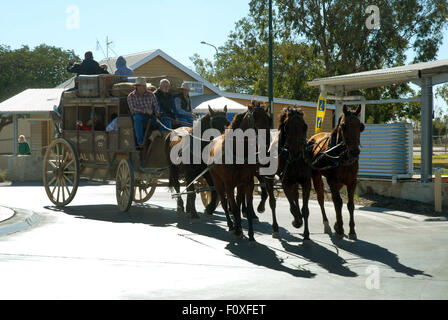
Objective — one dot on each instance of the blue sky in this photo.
(177, 27)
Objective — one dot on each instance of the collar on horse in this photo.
(344, 158)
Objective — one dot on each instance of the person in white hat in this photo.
(182, 104)
(143, 106)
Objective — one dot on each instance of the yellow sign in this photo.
(320, 113)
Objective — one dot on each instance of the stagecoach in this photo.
(84, 150)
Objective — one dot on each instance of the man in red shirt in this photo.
(143, 106)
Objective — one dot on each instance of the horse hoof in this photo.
(252, 244)
(195, 219)
(180, 213)
(306, 242)
(297, 225)
(260, 209)
(327, 229)
(339, 235)
(275, 235)
(238, 236)
(353, 236)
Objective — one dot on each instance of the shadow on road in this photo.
(374, 252)
(260, 255)
(157, 216)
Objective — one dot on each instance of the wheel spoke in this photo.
(69, 181)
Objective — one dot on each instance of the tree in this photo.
(42, 67)
(328, 38)
(241, 64)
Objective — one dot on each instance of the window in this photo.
(196, 88)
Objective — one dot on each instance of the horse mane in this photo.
(289, 112)
(236, 122)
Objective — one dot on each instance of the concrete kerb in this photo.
(401, 214)
(20, 220)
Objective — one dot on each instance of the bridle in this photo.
(345, 158)
(285, 147)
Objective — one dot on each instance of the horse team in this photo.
(333, 155)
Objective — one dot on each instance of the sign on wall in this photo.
(320, 114)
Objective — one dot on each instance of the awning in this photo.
(32, 101)
(218, 104)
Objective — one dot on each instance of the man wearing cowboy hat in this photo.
(144, 107)
(182, 105)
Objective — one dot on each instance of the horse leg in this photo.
(191, 198)
(211, 207)
(230, 192)
(292, 193)
(320, 191)
(264, 194)
(306, 188)
(272, 204)
(249, 192)
(337, 201)
(219, 187)
(174, 181)
(351, 209)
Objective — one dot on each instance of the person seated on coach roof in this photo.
(144, 108)
(87, 67)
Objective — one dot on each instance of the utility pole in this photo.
(271, 67)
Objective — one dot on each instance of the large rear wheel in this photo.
(61, 172)
(144, 189)
(124, 188)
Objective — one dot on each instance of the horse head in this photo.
(214, 120)
(349, 129)
(293, 130)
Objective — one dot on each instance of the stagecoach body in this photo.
(99, 156)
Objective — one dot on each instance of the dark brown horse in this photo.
(293, 169)
(228, 176)
(189, 171)
(335, 155)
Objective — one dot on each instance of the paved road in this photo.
(91, 251)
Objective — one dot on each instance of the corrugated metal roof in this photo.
(381, 77)
(32, 101)
(276, 100)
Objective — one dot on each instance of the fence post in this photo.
(438, 190)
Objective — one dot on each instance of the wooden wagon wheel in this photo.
(206, 196)
(61, 172)
(144, 189)
(124, 188)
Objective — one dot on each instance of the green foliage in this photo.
(314, 39)
(3, 176)
(42, 67)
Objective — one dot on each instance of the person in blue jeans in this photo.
(144, 108)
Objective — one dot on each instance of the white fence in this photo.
(386, 151)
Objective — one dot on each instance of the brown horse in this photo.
(189, 171)
(293, 169)
(228, 176)
(335, 155)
